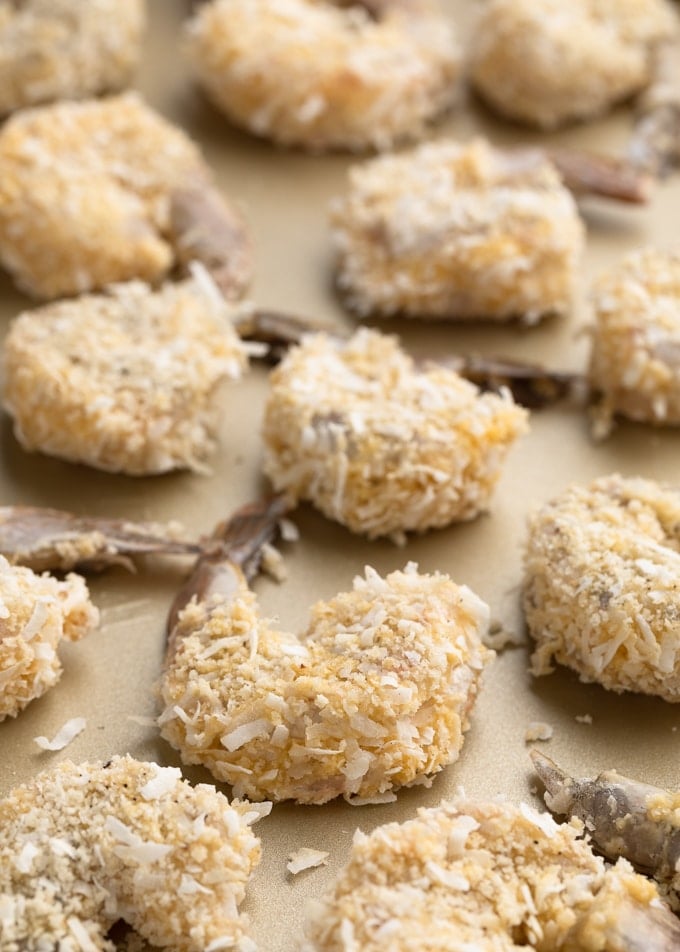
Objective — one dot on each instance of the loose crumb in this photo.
(538, 730)
(306, 858)
(584, 718)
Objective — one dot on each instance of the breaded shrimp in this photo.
(635, 357)
(327, 74)
(36, 613)
(548, 63)
(124, 381)
(378, 444)
(488, 877)
(462, 231)
(602, 585)
(624, 817)
(106, 191)
(66, 49)
(375, 695)
(82, 846)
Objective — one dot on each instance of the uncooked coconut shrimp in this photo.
(66, 49)
(487, 876)
(624, 818)
(379, 444)
(327, 74)
(125, 381)
(548, 63)
(83, 846)
(106, 191)
(37, 612)
(635, 358)
(374, 696)
(465, 231)
(602, 585)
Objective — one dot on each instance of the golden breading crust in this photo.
(602, 585)
(477, 876)
(548, 63)
(90, 194)
(126, 381)
(310, 73)
(36, 613)
(378, 445)
(375, 696)
(66, 49)
(459, 232)
(84, 845)
(635, 359)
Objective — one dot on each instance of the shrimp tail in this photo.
(654, 146)
(531, 385)
(624, 817)
(278, 331)
(586, 173)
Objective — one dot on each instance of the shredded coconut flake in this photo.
(306, 858)
(64, 735)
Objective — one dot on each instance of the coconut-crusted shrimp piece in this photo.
(548, 63)
(602, 585)
(490, 877)
(378, 444)
(635, 356)
(327, 74)
(374, 696)
(85, 845)
(624, 817)
(461, 231)
(124, 381)
(99, 192)
(36, 613)
(66, 49)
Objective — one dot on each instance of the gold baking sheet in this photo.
(111, 674)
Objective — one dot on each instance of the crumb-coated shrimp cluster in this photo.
(124, 381)
(453, 230)
(602, 585)
(327, 74)
(635, 358)
(374, 696)
(378, 444)
(486, 876)
(36, 613)
(547, 63)
(104, 191)
(66, 49)
(85, 845)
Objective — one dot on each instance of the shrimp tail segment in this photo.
(625, 818)
(655, 144)
(233, 551)
(585, 173)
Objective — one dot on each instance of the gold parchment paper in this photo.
(109, 677)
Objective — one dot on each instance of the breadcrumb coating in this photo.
(327, 75)
(635, 358)
(458, 231)
(379, 445)
(36, 613)
(86, 195)
(602, 585)
(477, 876)
(124, 381)
(66, 49)
(549, 63)
(85, 845)
(374, 696)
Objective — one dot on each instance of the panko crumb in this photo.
(551, 63)
(538, 730)
(306, 858)
(499, 637)
(457, 231)
(84, 845)
(477, 876)
(36, 613)
(67, 733)
(635, 356)
(125, 381)
(67, 49)
(602, 576)
(326, 75)
(376, 694)
(380, 445)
